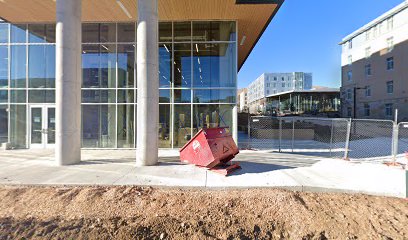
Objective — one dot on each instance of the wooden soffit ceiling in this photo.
(253, 16)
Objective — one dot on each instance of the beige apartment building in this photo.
(375, 68)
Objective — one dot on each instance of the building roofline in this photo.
(379, 19)
(328, 90)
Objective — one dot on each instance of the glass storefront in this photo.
(197, 77)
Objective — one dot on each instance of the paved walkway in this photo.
(259, 169)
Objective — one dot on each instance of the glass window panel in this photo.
(126, 96)
(164, 126)
(18, 66)
(98, 126)
(215, 65)
(182, 65)
(36, 125)
(98, 96)
(214, 96)
(41, 67)
(182, 31)
(41, 96)
(165, 65)
(3, 66)
(18, 33)
(108, 65)
(182, 125)
(164, 95)
(90, 66)
(214, 115)
(182, 95)
(50, 33)
(3, 96)
(18, 126)
(126, 126)
(126, 32)
(165, 32)
(126, 66)
(214, 31)
(18, 96)
(90, 33)
(4, 34)
(51, 126)
(3, 124)
(107, 32)
(36, 33)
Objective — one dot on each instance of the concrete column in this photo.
(234, 128)
(147, 83)
(68, 82)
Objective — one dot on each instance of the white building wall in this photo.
(375, 35)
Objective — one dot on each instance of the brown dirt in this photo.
(150, 213)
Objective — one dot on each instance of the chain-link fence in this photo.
(341, 138)
(402, 139)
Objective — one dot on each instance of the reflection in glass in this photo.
(126, 32)
(36, 33)
(98, 96)
(182, 65)
(165, 65)
(3, 124)
(107, 32)
(51, 126)
(165, 32)
(126, 126)
(17, 96)
(90, 32)
(214, 115)
(164, 95)
(182, 125)
(98, 126)
(41, 96)
(18, 33)
(214, 65)
(18, 126)
(36, 125)
(3, 66)
(3, 96)
(164, 126)
(126, 96)
(214, 96)
(108, 65)
(182, 32)
(182, 95)
(41, 66)
(4, 35)
(126, 65)
(214, 31)
(18, 67)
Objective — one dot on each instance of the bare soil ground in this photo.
(150, 213)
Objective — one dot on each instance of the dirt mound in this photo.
(150, 213)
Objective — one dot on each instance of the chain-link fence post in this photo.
(331, 137)
(280, 134)
(394, 145)
(249, 132)
(346, 150)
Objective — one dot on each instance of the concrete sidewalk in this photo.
(259, 169)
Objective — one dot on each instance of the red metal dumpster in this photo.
(212, 148)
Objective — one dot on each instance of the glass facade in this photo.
(197, 77)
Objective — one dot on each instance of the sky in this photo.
(304, 37)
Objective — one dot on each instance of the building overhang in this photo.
(311, 91)
(252, 16)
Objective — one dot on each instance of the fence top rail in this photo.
(305, 118)
(373, 120)
(403, 123)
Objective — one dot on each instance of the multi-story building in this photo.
(374, 64)
(122, 73)
(242, 100)
(273, 83)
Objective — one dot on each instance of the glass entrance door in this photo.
(42, 126)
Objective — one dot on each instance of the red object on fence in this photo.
(212, 148)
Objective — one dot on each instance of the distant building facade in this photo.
(242, 102)
(375, 68)
(273, 83)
